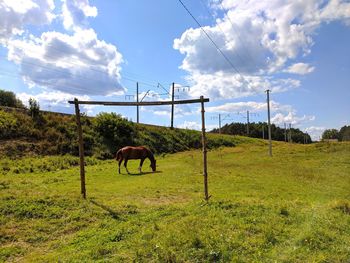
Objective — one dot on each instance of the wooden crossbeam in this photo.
(143, 103)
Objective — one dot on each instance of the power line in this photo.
(222, 31)
(216, 46)
(238, 35)
(211, 40)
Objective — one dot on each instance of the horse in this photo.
(130, 152)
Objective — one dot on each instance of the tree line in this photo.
(342, 135)
(260, 130)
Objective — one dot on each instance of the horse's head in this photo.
(153, 165)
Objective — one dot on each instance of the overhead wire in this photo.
(219, 26)
(213, 42)
(237, 33)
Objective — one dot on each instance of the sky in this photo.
(56, 50)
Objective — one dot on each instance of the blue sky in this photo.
(97, 50)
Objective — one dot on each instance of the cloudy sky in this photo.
(55, 50)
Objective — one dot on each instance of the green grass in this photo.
(293, 207)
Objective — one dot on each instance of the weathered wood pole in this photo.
(268, 121)
(285, 132)
(204, 145)
(81, 149)
(247, 122)
(137, 100)
(263, 132)
(172, 106)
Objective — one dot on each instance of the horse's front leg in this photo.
(141, 163)
(125, 165)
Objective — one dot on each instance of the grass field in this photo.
(293, 207)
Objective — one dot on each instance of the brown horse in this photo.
(130, 152)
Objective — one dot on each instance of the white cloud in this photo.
(15, 15)
(78, 63)
(222, 85)
(281, 113)
(291, 118)
(76, 12)
(179, 111)
(56, 99)
(259, 38)
(300, 68)
(252, 106)
(315, 132)
(51, 98)
(193, 125)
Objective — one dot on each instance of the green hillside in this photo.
(55, 134)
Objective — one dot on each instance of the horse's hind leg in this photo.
(125, 165)
(141, 162)
(119, 163)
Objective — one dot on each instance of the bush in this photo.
(114, 131)
(8, 125)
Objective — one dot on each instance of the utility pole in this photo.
(268, 120)
(263, 132)
(285, 132)
(247, 122)
(219, 123)
(172, 106)
(137, 100)
(290, 132)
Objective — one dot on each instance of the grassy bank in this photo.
(56, 134)
(293, 207)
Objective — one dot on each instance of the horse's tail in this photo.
(119, 155)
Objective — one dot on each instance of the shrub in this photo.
(115, 131)
(8, 125)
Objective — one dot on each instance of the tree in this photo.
(34, 108)
(256, 130)
(9, 99)
(330, 134)
(344, 133)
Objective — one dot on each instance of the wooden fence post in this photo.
(137, 100)
(172, 106)
(81, 149)
(204, 145)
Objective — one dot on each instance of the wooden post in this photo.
(269, 122)
(172, 107)
(247, 122)
(263, 132)
(81, 150)
(204, 145)
(137, 100)
(285, 132)
(290, 133)
(219, 123)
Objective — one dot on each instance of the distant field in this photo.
(293, 207)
